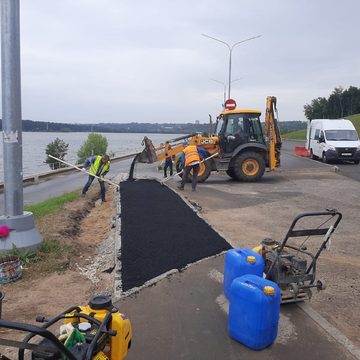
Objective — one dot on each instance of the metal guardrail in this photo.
(37, 178)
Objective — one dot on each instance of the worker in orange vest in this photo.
(190, 159)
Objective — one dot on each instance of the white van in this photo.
(333, 140)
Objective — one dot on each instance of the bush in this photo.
(57, 148)
(95, 144)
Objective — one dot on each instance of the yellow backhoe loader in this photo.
(244, 148)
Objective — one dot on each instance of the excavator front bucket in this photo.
(148, 155)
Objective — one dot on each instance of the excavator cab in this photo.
(238, 127)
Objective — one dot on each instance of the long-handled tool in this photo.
(180, 172)
(84, 171)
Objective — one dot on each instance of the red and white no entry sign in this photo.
(230, 104)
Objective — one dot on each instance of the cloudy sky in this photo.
(89, 61)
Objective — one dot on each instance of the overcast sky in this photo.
(90, 61)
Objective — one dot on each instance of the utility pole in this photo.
(230, 48)
(22, 231)
(224, 85)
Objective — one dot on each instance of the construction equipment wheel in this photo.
(204, 170)
(249, 166)
(231, 173)
(178, 167)
(321, 284)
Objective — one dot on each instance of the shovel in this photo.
(87, 172)
(180, 172)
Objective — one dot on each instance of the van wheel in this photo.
(312, 156)
(356, 162)
(324, 158)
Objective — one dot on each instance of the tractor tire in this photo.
(231, 173)
(249, 166)
(204, 171)
(178, 166)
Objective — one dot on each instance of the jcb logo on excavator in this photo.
(207, 141)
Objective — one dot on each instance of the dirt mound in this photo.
(57, 283)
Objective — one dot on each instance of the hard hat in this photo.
(185, 142)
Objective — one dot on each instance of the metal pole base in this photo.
(23, 233)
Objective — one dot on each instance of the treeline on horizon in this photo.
(339, 104)
(166, 128)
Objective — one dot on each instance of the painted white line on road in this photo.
(216, 275)
(223, 302)
(286, 330)
(331, 330)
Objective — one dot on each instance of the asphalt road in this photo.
(69, 182)
(348, 169)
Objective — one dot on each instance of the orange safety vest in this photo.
(191, 154)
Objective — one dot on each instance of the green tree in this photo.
(95, 144)
(57, 148)
(340, 103)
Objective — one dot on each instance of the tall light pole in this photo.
(20, 224)
(230, 47)
(222, 83)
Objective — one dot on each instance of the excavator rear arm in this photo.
(272, 133)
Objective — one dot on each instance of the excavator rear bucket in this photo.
(148, 155)
(301, 151)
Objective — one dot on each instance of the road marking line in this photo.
(223, 302)
(330, 329)
(216, 275)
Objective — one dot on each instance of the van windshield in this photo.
(340, 135)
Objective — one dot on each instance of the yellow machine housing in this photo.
(99, 307)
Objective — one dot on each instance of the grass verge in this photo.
(50, 249)
(52, 205)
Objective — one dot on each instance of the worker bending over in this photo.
(190, 159)
(99, 166)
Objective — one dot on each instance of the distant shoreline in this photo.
(135, 128)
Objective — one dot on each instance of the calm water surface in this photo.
(34, 145)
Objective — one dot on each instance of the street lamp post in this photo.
(230, 47)
(20, 224)
(222, 83)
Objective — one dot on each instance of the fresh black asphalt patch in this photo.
(159, 232)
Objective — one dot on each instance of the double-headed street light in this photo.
(230, 53)
(223, 84)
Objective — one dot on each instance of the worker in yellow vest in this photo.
(190, 159)
(99, 166)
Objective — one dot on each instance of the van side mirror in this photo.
(321, 139)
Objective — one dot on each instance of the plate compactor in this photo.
(97, 331)
(292, 264)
